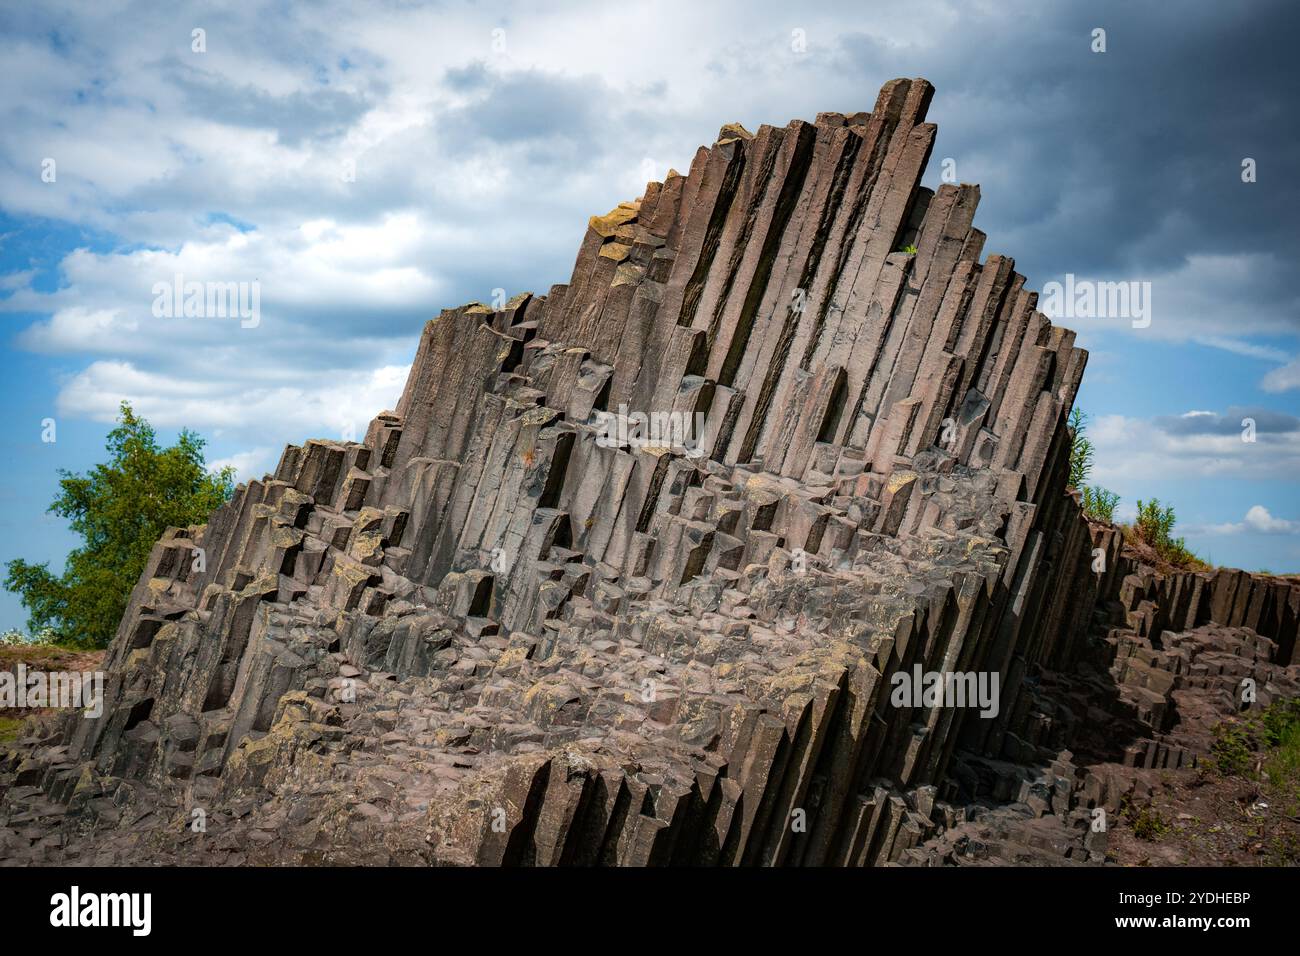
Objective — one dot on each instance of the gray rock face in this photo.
(511, 627)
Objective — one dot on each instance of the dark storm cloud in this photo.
(1127, 161)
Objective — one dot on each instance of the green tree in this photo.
(119, 509)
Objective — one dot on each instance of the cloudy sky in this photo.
(370, 164)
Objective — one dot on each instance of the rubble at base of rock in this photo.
(485, 635)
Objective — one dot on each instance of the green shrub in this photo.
(1154, 524)
(1230, 754)
(1148, 824)
(1099, 503)
(1154, 527)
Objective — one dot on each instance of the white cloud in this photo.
(1130, 451)
(248, 465)
(330, 404)
(163, 148)
(317, 270)
(1258, 520)
(1265, 353)
(1283, 379)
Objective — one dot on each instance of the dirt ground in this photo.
(1201, 817)
(42, 657)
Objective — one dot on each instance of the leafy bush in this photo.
(1230, 754)
(1149, 825)
(1147, 821)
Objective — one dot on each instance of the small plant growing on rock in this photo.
(1154, 528)
(1081, 450)
(1154, 524)
(1099, 503)
(1231, 751)
(1148, 823)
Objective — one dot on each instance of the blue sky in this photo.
(370, 164)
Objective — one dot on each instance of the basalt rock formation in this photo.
(501, 631)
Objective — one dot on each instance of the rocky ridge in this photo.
(497, 631)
